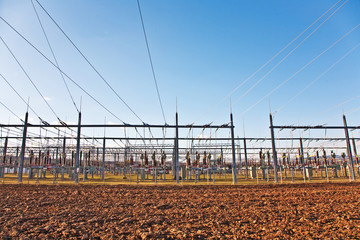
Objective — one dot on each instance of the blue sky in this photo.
(201, 51)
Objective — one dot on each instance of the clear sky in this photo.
(201, 51)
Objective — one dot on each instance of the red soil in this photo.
(191, 212)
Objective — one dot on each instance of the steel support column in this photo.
(233, 149)
(23, 145)
(77, 154)
(103, 160)
(274, 149)
(177, 148)
(354, 147)
(5, 150)
(302, 159)
(246, 161)
(348, 148)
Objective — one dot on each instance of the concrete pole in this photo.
(246, 161)
(348, 148)
(177, 148)
(103, 161)
(233, 149)
(77, 154)
(23, 145)
(274, 150)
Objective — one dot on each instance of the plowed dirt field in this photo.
(296, 211)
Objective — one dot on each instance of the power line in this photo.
(36, 49)
(337, 105)
(11, 111)
(44, 122)
(150, 59)
(354, 110)
(87, 60)
(25, 39)
(283, 59)
(17, 93)
(316, 79)
(53, 54)
(271, 59)
(22, 100)
(19, 132)
(29, 78)
(18, 118)
(301, 69)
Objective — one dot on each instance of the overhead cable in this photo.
(29, 78)
(337, 105)
(272, 58)
(73, 81)
(17, 93)
(150, 59)
(53, 54)
(316, 79)
(11, 111)
(300, 70)
(87, 60)
(283, 59)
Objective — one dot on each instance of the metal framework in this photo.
(170, 145)
(346, 130)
